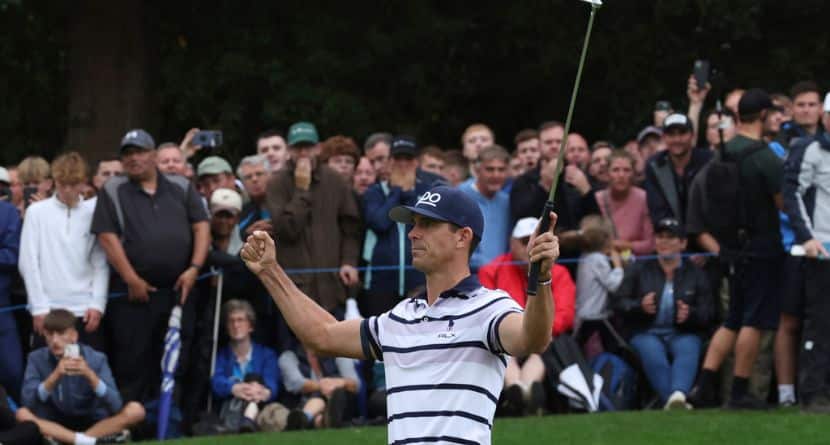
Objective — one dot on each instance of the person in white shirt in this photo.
(61, 262)
(445, 349)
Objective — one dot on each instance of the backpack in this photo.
(619, 389)
(725, 199)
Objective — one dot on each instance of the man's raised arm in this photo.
(314, 326)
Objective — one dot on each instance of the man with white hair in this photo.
(253, 171)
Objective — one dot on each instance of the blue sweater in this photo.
(263, 362)
(496, 211)
(72, 395)
(9, 248)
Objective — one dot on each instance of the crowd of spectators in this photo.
(107, 250)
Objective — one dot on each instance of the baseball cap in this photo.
(213, 165)
(138, 138)
(753, 101)
(827, 103)
(403, 145)
(670, 225)
(443, 204)
(525, 227)
(4, 176)
(303, 133)
(677, 120)
(651, 130)
(227, 200)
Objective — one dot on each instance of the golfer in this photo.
(444, 350)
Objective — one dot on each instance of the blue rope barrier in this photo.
(363, 269)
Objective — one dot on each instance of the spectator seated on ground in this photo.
(69, 391)
(246, 372)
(523, 390)
(667, 306)
(326, 388)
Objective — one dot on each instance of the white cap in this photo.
(525, 227)
(827, 103)
(225, 199)
(4, 176)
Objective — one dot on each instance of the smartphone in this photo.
(72, 351)
(27, 195)
(701, 72)
(207, 138)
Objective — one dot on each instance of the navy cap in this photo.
(403, 145)
(671, 226)
(443, 204)
(677, 120)
(138, 138)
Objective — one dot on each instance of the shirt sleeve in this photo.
(105, 219)
(292, 378)
(498, 312)
(370, 339)
(29, 265)
(346, 368)
(196, 211)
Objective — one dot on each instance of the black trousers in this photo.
(135, 334)
(814, 357)
(14, 433)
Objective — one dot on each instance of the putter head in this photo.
(594, 3)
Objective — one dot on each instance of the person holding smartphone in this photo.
(667, 305)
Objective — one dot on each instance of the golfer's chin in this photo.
(419, 263)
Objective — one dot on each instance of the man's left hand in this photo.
(186, 282)
(545, 248)
(92, 320)
(348, 275)
(682, 312)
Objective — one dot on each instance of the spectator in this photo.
(384, 288)
(69, 391)
(315, 217)
(515, 169)
(550, 139)
(784, 103)
(11, 366)
(225, 206)
(214, 173)
(16, 187)
(154, 230)
(527, 148)
(106, 168)
(669, 174)
(376, 148)
(595, 280)
(5, 186)
(806, 112)
(803, 172)
(245, 370)
(77, 279)
(732, 99)
(577, 152)
(475, 138)
(598, 169)
(170, 159)
(753, 303)
(253, 171)
(456, 169)
(326, 388)
(36, 178)
(431, 159)
(714, 123)
(364, 176)
(667, 306)
(650, 141)
(624, 205)
(662, 108)
(491, 174)
(341, 155)
(530, 192)
(271, 144)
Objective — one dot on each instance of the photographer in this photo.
(69, 391)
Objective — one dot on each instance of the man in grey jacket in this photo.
(69, 391)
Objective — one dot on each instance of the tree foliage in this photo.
(428, 67)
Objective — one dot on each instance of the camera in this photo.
(207, 138)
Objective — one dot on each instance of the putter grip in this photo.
(544, 226)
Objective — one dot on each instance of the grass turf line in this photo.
(710, 427)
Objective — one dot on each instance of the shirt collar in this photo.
(461, 290)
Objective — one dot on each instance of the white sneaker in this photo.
(677, 400)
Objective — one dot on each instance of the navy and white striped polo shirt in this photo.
(444, 363)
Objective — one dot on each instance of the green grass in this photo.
(710, 427)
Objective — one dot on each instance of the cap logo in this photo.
(429, 199)
(132, 134)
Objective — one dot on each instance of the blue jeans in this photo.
(670, 361)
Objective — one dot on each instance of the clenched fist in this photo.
(259, 252)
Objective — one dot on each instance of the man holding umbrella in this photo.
(444, 350)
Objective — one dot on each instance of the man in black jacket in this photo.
(668, 306)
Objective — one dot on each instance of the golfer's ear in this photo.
(465, 234)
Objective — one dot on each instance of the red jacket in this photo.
(511, 278)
